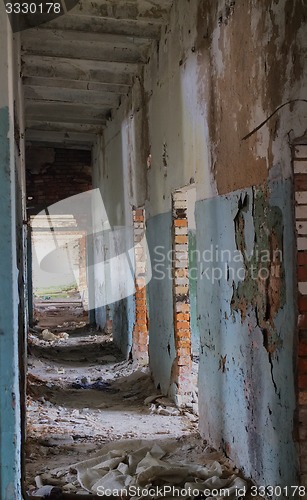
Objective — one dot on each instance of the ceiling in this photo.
(76, 68)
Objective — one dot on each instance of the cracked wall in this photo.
(247, 324)
(219, 70)
(251, 61)
(263, 286)
(120, 161)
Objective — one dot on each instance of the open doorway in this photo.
(59, 294)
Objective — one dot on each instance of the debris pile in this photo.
(83, 398)
(140, 468)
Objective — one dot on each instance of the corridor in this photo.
(82, 395)
(153, 217)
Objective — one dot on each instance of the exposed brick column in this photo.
(300, 186)
(182, 371)
(140, 330)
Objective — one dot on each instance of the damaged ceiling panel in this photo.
(77, 66)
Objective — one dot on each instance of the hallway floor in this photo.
(83, 395)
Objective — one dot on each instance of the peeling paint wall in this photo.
(219, 70)
(246, 308)
(112, 175)
(251, 61)
(10, 440)
(162, 353)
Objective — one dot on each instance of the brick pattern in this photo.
(300, 189)
(182, 372)
(140, 330)
(54, 177)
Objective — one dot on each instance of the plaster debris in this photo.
(47, 335)
(146, 465)
(46, 492)
(96, 419)
(81, 395)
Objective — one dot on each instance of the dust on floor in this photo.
(82, 395)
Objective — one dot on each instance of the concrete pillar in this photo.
(10, 441)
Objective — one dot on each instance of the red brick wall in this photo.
(182, 370)
(54, 174)
(300, 186)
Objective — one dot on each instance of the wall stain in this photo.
(241, 66)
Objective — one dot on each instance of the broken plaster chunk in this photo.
(38, 481)
(123, 468)
(64, 335)
(48, 335)
(48, 491)
(169, 412)
(69, 487)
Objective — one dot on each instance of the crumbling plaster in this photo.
(219, 70)
(246, 374)
(255, 65)
(111, 164)
(10, 293)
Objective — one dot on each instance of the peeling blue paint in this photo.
(246, 398)
(195, 343)
(160, 296)
(9, 393)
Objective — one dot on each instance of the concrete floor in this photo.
(67, 424)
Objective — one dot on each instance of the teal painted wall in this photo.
(246, 325)
(10, 473)
(246, 373)
(195, 340)
(160, 296)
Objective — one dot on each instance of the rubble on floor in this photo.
(50, 311)
(95, 418)
(140, 466)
